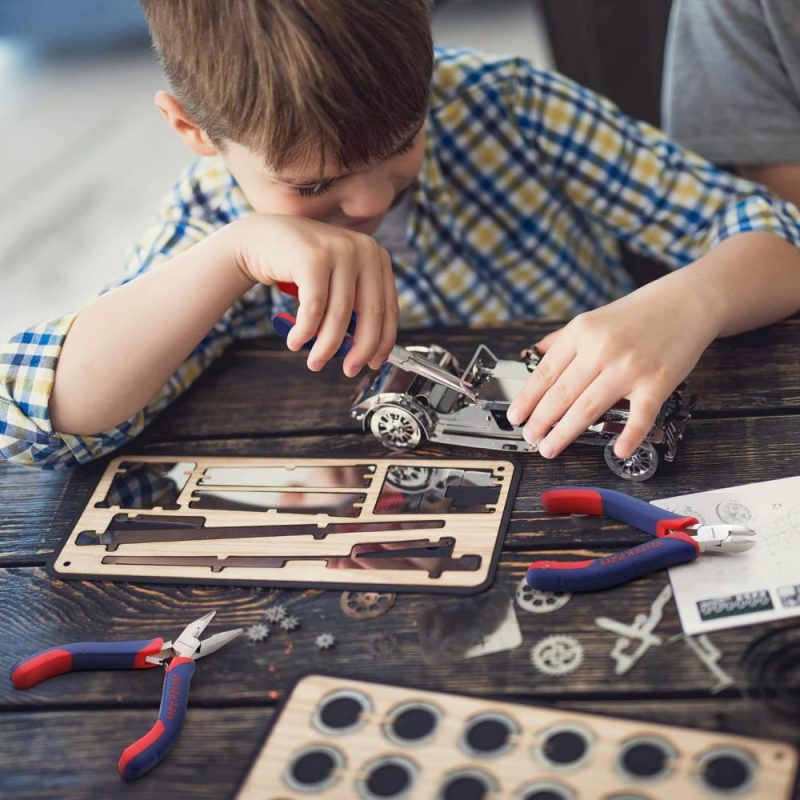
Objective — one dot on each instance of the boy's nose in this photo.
(367, 197)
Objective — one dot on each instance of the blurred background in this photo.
(86, 158)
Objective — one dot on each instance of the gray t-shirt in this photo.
(732, 79)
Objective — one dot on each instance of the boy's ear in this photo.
(195, 138)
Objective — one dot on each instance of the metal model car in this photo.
(402, 409)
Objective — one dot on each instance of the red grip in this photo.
(573, 501)
(288, 288)
(139, 746)
(561, 564)
(41, 667)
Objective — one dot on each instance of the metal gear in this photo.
(383, 646)
(289, 623)
(366, 605)
(258, 632)
(325, 641)
(557, 655)
(538, 602)
(275, 613)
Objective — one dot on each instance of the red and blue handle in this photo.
(283, 323)
(82, 656)
(669, 547)
(144, 754)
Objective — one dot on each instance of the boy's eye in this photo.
(315, 190)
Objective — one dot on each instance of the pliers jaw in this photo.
(189, 645)
(722, 538)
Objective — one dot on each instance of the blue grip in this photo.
(639, 513)
(108, 655)
(143, 755)
(613, 570)
(83, 655)
(282, 324)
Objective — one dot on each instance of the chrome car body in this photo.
(402, 409)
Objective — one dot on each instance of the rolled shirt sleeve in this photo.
(629, 178)
(29, 360)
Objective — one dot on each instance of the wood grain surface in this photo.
(62, 738)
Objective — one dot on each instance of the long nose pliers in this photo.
(176, 656)
(407, 360)
(676, 539)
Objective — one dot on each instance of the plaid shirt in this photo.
(528, 184)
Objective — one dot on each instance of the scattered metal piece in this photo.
(640, 630)
(557, 654)
(275, 613)
(289, 623)
(258, 632)
(325, 641)
(366, 605)
(538, 602)
(710, 655)
(451, 629)
(383, 646)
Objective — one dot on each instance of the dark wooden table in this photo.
(62, 739)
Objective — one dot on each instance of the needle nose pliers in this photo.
(676, 539)
(177, 656)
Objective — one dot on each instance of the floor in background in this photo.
(86, 158)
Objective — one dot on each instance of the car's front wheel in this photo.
(640, 466)
(396, 427)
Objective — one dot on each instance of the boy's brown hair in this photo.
(302, 82)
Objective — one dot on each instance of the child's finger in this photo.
(312, 295)
(546, 342)
(644, 408)
(341, 298)
(542, 378)
(391, 313)
(369, 305)
(597, 398)
(559, 398)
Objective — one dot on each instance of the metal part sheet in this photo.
(408, 490)
(346, 476)
(147, 484)
(423, 554)
(290, 502)
(143, 534)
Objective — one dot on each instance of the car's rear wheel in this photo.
(396, 427)
(640, 466)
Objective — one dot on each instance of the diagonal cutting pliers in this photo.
(176, 656)
(676, 539)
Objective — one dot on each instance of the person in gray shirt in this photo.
(732, 86)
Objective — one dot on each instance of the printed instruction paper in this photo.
(727, 591)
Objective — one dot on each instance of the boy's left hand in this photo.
(639, 347)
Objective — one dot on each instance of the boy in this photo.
(499, 192)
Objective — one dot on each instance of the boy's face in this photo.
(355, 200)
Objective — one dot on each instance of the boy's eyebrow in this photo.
(316, 181)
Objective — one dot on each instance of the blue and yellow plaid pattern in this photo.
(528, 185)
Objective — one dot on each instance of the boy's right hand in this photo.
(336, 271)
